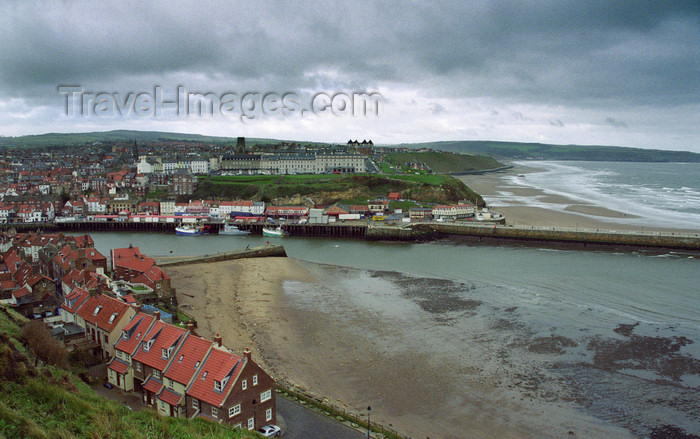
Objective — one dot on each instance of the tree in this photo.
(45, 348)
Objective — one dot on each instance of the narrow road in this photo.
(303, 423)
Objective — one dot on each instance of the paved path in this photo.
(300, 422)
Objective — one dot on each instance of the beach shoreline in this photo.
(341, 354)
(537, 208)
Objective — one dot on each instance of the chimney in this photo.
(218, 340)
(156, 314)
(190, 327)
(246, 353)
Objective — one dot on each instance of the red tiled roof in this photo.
(21, 292)
(8, 284)
(170, 397)
(152, 385)
(73, 301)
(136, 329)
(186, 360)
(164, 336)
(118, 365)
(109, 307)
(217, 366)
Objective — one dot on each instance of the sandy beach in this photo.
(541, 209)
(350, 356)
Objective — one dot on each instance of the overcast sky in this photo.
(618, 73)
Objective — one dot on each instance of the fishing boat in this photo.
(230, 229)
(278, 232)
(188, 230)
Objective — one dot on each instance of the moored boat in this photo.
(230, 229)
(278, 232)
(188, 230)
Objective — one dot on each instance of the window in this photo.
(268, 414)
(255, 380)
(195, 403)
(244, 384)
(214, 412)
(112, 317)
(162, 405)
(265, 395)
(156, 373)
(166, 353)
(99, 307)
(251, 423)
(217, 385)
(233, 411)
(171, 383)
(237, 426)
(138, 367)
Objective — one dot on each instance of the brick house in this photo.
(232, 390)
(179, 373)
(120, 371)
(153, 355)
(103, 318)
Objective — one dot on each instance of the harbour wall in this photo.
(263, 251)
(476, 232)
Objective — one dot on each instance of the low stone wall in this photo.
(262, 251)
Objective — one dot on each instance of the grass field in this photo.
(444, 162)
(331, 188)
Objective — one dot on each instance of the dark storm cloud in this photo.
(603, 57)
(641, 52)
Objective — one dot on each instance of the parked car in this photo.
(108, 385)
(270, 431)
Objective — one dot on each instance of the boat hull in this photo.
(185, 231)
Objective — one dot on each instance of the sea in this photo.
(655, 194)
(612, 336)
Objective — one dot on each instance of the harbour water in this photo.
(616, 335)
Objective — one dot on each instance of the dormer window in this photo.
(112, 317)
(165, 353)
(125, 335)
(99, 307)
(148, 345)
(217, 385)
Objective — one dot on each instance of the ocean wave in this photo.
(652, 192)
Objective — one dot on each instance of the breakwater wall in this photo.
(263, 251)
(472, 232)
(580, 238)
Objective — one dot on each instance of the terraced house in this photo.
(120, 371)
(184, 375)
(233, 390)
(153, 355)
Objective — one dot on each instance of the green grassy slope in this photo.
(327, 189)
(70, 139)
(516, 150)
(48, 402)
(445, 162)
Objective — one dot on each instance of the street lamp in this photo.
(369, 423)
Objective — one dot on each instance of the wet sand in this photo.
(540, 209)
(346, 351)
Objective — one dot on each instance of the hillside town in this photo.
(116, 314)
(154, 182)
